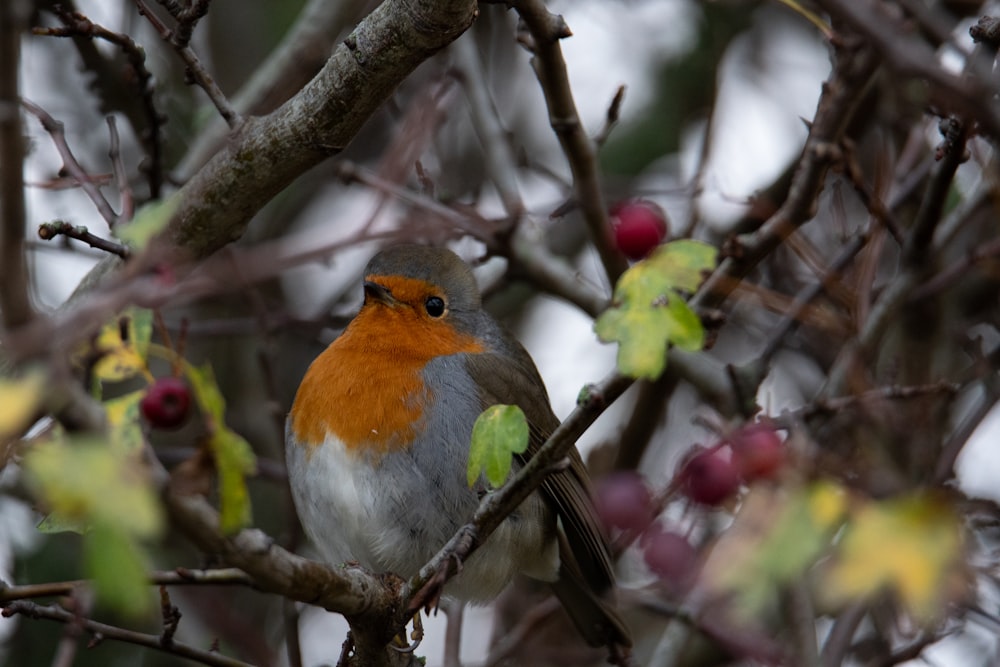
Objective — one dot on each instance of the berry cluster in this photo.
(708, 476)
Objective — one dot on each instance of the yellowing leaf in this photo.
(19, 401)
(206, 393)
(234, 460)
(499, 433)
(648, 313)
(86, 480)
(122, 345)
(123, 422)
(776, 536)
(107, 495)
(149, 221)
(911, 545)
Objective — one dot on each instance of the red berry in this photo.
(166, 403)
(709, 476)
(670, 556)
(757, 451)
(623, 501)
(639, 226)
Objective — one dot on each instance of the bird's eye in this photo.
(434, 306)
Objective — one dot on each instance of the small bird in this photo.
(378, 437)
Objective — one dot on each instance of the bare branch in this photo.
(197, 71)
(105, 631)
(57, 132)
(546, 30)
(49, 230)
(15, 303)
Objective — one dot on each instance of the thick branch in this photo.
(347, 590)
(266, 154)
(14, 301)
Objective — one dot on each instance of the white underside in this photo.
(394, 517)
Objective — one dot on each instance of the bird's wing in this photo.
(513, 380)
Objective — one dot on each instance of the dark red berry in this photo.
(166, 403)
(757, 451)
(670, 557)
(709, 477)
(639, 226)
(623, 501)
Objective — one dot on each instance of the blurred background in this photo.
(718, 97)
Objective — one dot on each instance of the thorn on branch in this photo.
(171, 616)
(611, 118)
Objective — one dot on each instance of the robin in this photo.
(378, 436)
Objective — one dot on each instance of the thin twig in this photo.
(546, 30)
(105, 631)
(57, 132)
(140, 78)
(49, 230)
(526, 248)
(229, 576)
(195, 68)
(853, 69)
(806, 296)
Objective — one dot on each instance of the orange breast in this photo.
(366, 388)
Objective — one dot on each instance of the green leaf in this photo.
(149, 221)
(234, 460)
(499, 433)
(20, 400)
(117, 566)
(123, 344)
(911, 545)
(207, 394)
(648, 313)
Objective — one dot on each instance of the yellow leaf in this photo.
(123, 422)
(234, 460)
(85, 481)
(19, 401)
(910, 545)
(122, 345)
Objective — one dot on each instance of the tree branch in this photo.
(266, 154)
(14, 301)
(105, 631)
(546, 30)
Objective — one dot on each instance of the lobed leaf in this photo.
(499, 433)
(648, 312)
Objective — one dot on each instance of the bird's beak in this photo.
(375, 291)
